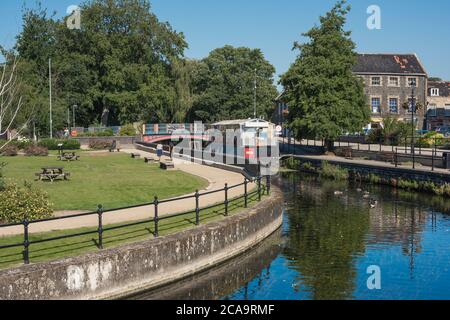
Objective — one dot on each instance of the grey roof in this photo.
(443, 86)
(389, 64)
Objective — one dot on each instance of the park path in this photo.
(216, 177)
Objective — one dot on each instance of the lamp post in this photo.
(413, 110)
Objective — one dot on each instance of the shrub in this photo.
(128, 130)
(19, 203)
(52, 144)
(36, 151)
(2, 181)
(100, 145)
(9, 150)
(333, 172)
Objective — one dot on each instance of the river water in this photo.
(330, 237)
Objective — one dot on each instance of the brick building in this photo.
(389, 80)
(438, 113)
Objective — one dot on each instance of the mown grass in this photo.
(52, 250)
(112, 180)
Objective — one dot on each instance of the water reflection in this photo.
(331, 235)
(226, 278)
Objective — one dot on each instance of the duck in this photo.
(359, 190)
(338, 193)
(373, 203)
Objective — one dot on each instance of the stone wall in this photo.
(128, 269)
(124, 141)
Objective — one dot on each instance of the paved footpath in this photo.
(216, 177)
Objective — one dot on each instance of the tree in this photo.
(118, 68)
(11, 102)
(325, 98)
(223, 85)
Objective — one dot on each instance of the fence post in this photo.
(156, 218)
(396, 157)
(226, 199)
(245, 193)
(268, 184)
(26, 242)
(197, 208)
(259, 188)
(100, 226)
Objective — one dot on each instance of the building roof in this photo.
(443, 86)
(389, 64)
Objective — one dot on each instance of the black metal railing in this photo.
(413, 149)
(157, 217)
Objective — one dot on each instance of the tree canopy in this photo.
(224, 85)
(325, 98)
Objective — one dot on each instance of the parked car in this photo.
(445, 130)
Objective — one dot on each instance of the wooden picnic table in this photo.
(52, 173)
(68, 156)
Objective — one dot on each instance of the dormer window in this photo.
(434, 92)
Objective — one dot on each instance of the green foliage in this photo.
(128, 130)
(325, 98)
(52, 144)
(36, 151)
(307, 166)
(431, 139)
(393, 132)
(333, 172)
(122, 66)
(19, 203)
(224, 82)
(2, 180)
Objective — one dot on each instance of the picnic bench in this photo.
(149, 160)
(114, 146)
(52, 174)
(386, 157)
(135, 156)
(68, 156)
(166, 165)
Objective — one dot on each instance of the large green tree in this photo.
(325, 98)
(224, 82)
(122, 66)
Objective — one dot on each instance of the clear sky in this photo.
(408, 26)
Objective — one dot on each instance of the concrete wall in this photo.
(124, 141)
(132, 268)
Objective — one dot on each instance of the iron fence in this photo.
(157, 218)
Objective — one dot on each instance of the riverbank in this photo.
(437, 183)
(121, 271)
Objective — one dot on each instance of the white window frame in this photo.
(409, 85)
(434, 92)
(380, 106)
(393, 85)
(398, 104)
(376, 85)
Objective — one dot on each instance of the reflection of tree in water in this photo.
(327, 232)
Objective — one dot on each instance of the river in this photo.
(331, 236)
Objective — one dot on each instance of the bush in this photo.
(100, 145)
(9, 150)
(333, 172)
(52, 144)
(36, 151)
(128, 131)
(2, 181)
(19, 203)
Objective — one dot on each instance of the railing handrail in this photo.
(155, 219)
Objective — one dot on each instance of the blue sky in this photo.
(408, 26)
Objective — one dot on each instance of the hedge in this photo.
(52, 144)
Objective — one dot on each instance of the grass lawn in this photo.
(111, 179)
(75, 246)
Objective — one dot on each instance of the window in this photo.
(411, 82)
(393, 105)
(375, 81)
(376, 105)
(434, 92)
(394, 82)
